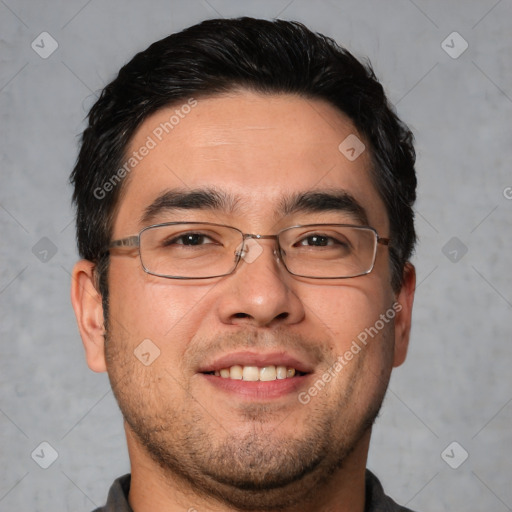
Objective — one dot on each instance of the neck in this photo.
(154, 489)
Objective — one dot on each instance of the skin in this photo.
(191, 445)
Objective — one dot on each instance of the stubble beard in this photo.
(249, 470)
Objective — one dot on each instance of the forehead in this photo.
(258, 148)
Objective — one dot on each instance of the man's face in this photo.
(234, 438)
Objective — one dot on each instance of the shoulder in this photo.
(376, 500)
(117, 500)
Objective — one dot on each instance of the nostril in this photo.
(282, 316)
(241, 315)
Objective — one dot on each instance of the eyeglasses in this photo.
(203, 250)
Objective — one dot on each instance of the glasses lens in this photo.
(189, 250)
(328, 251)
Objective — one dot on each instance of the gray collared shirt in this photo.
(376, 500)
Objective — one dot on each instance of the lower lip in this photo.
(258, 389)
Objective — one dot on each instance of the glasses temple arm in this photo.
(131, 241)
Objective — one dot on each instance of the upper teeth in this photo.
(254, 373)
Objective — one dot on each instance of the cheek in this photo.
(361, 324)
(349, 309)
(148, 307)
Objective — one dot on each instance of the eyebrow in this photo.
(186, 199)
(316, 201)
(203, 199)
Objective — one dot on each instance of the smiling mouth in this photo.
(256, 373)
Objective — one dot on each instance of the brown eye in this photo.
(317, 240)
(189, 239)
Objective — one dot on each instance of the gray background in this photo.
(456, 384)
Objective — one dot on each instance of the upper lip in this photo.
(248, 358)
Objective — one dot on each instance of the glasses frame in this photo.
(134, 241)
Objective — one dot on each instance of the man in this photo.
(244, 213)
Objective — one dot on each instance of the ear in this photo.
(404, 300)
(86, 301)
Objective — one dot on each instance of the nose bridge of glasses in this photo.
(251, 236)
(260, 237)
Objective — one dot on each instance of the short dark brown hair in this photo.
(221, 55)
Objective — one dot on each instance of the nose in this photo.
(261, 292)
